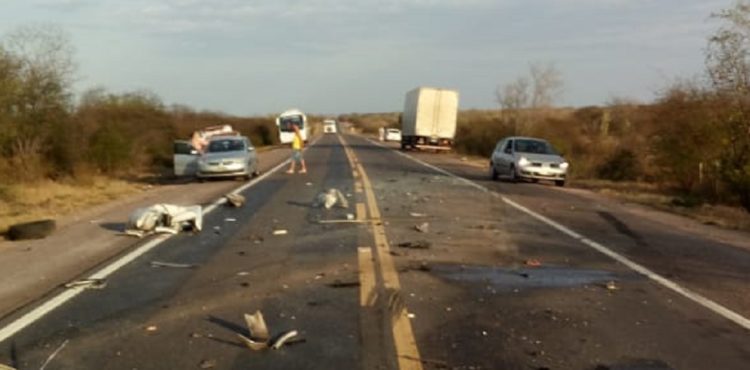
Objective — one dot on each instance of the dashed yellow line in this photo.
(361, 211)
(407, 352)
(367, 293)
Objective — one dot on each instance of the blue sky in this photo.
(335, 56)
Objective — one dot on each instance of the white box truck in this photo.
(429, 119)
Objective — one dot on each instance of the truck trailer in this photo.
(429, 119)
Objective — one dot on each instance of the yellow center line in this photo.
(361, 211)
(367, 293)
(407, 352)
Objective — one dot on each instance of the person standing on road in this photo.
(297, 144)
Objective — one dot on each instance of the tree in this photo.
(728, 65)
(525, 97)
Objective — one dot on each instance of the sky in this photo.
(249, 57)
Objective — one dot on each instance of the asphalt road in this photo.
(496, 288)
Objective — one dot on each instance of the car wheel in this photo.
(493, 172)
(31, 230)
(560, 183)
(513, 176)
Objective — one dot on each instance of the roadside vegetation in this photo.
(58, 152)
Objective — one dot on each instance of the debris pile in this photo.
(330, 198)
(164, 218)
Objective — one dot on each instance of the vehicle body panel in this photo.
(185, 158)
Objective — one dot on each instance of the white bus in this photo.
(285, 121)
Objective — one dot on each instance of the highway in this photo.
(431, 266)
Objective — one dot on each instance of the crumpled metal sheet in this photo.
(168, 218)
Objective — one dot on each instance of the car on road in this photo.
(392, 134)
(527, 158)
(228, 156)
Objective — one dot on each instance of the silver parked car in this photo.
(527, 158)
(224, 156)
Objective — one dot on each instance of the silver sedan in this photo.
(527, 158)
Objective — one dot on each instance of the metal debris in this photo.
(343, 284)
(330, 198)
(152, 328)
(533, 262)
(260, 339)
(53, 355)
(235, 200)
(164, 218)
(611, 285)
(207, 364)
(279, 232)
(88, 284)
(423, 227)
(173, 265)
(418, 244)
(417, 214)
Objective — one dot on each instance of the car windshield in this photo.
(225, 145)
(534, 147)
(285, 123)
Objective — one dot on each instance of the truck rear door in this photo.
(185, 159)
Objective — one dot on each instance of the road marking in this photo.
(367, 293)
(661, 280)
(407, 353)
(66, 295)
(361, 211)
(357, 187)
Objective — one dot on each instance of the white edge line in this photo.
(70, 293)
(669, 284)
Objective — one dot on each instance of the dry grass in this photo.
(734, 218)
(49, 199)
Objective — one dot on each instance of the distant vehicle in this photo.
(329, 126)
(285, 121)
(429, 118)
(392, 134)
(226, 154)
(527, 158)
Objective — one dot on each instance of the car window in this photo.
(225, 145)
(509, 146)
(534, 147)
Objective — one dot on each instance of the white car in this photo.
(527, 158)
(392, 134)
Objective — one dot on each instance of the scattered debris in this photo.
(423, 227)
(611, 285)
(235, 200)
(411, 315)
(279, 232)
(152, 328)
(333, 197)
(207, 364)
(229, 219)
(31, 230)
(260, 339)
(349, 216)
(418, 244)
(243, 273)
(161, 218)
(343, 284)
(88, 284)
(196, 335)
(173, 265)
(533, 262)
(417, 214)
(54, 354)
(464, 159)
(308, 184)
